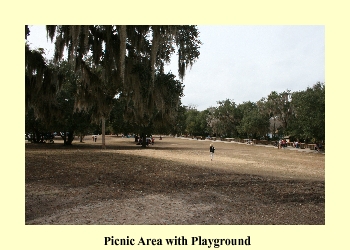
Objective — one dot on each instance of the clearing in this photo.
(172, 182)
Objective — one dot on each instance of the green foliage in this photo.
(299, 115)
(193, 124)
(41, 84)
(179, 126)
(167, 97)
(117, 122)
(309, 113)
(254, 124)
(196, 122)
(59, 113)
(227, 117)
(34, 128)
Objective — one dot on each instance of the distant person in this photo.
(211, 150)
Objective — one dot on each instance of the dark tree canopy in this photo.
(123, 60)
(117, 49)
(113, 61)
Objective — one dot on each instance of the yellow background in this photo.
(333, 14)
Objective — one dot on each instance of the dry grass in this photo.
(172, 182)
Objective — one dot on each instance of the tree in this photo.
(192, 122)
(118, 50)
(41, 84)
(167, 97)
(67, 117)
(52, 97)
(254, 124)
(117, 121)
(309, 113)
(180, 121)
(155, 108)
(35, 130)
(202, 120)
(225, 117)
(278, 107)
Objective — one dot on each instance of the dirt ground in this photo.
(172, 182)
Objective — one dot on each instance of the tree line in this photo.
(299, 115)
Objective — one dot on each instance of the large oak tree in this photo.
(106, 57)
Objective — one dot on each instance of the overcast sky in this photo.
(244, 63)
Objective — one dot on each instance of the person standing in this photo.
(211, 150)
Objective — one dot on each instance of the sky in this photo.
(243, 63)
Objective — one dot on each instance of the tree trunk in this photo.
(103, 133)
(36, 136)
(144, 140)
(64, 138)
(68, 138)
(81, 137)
